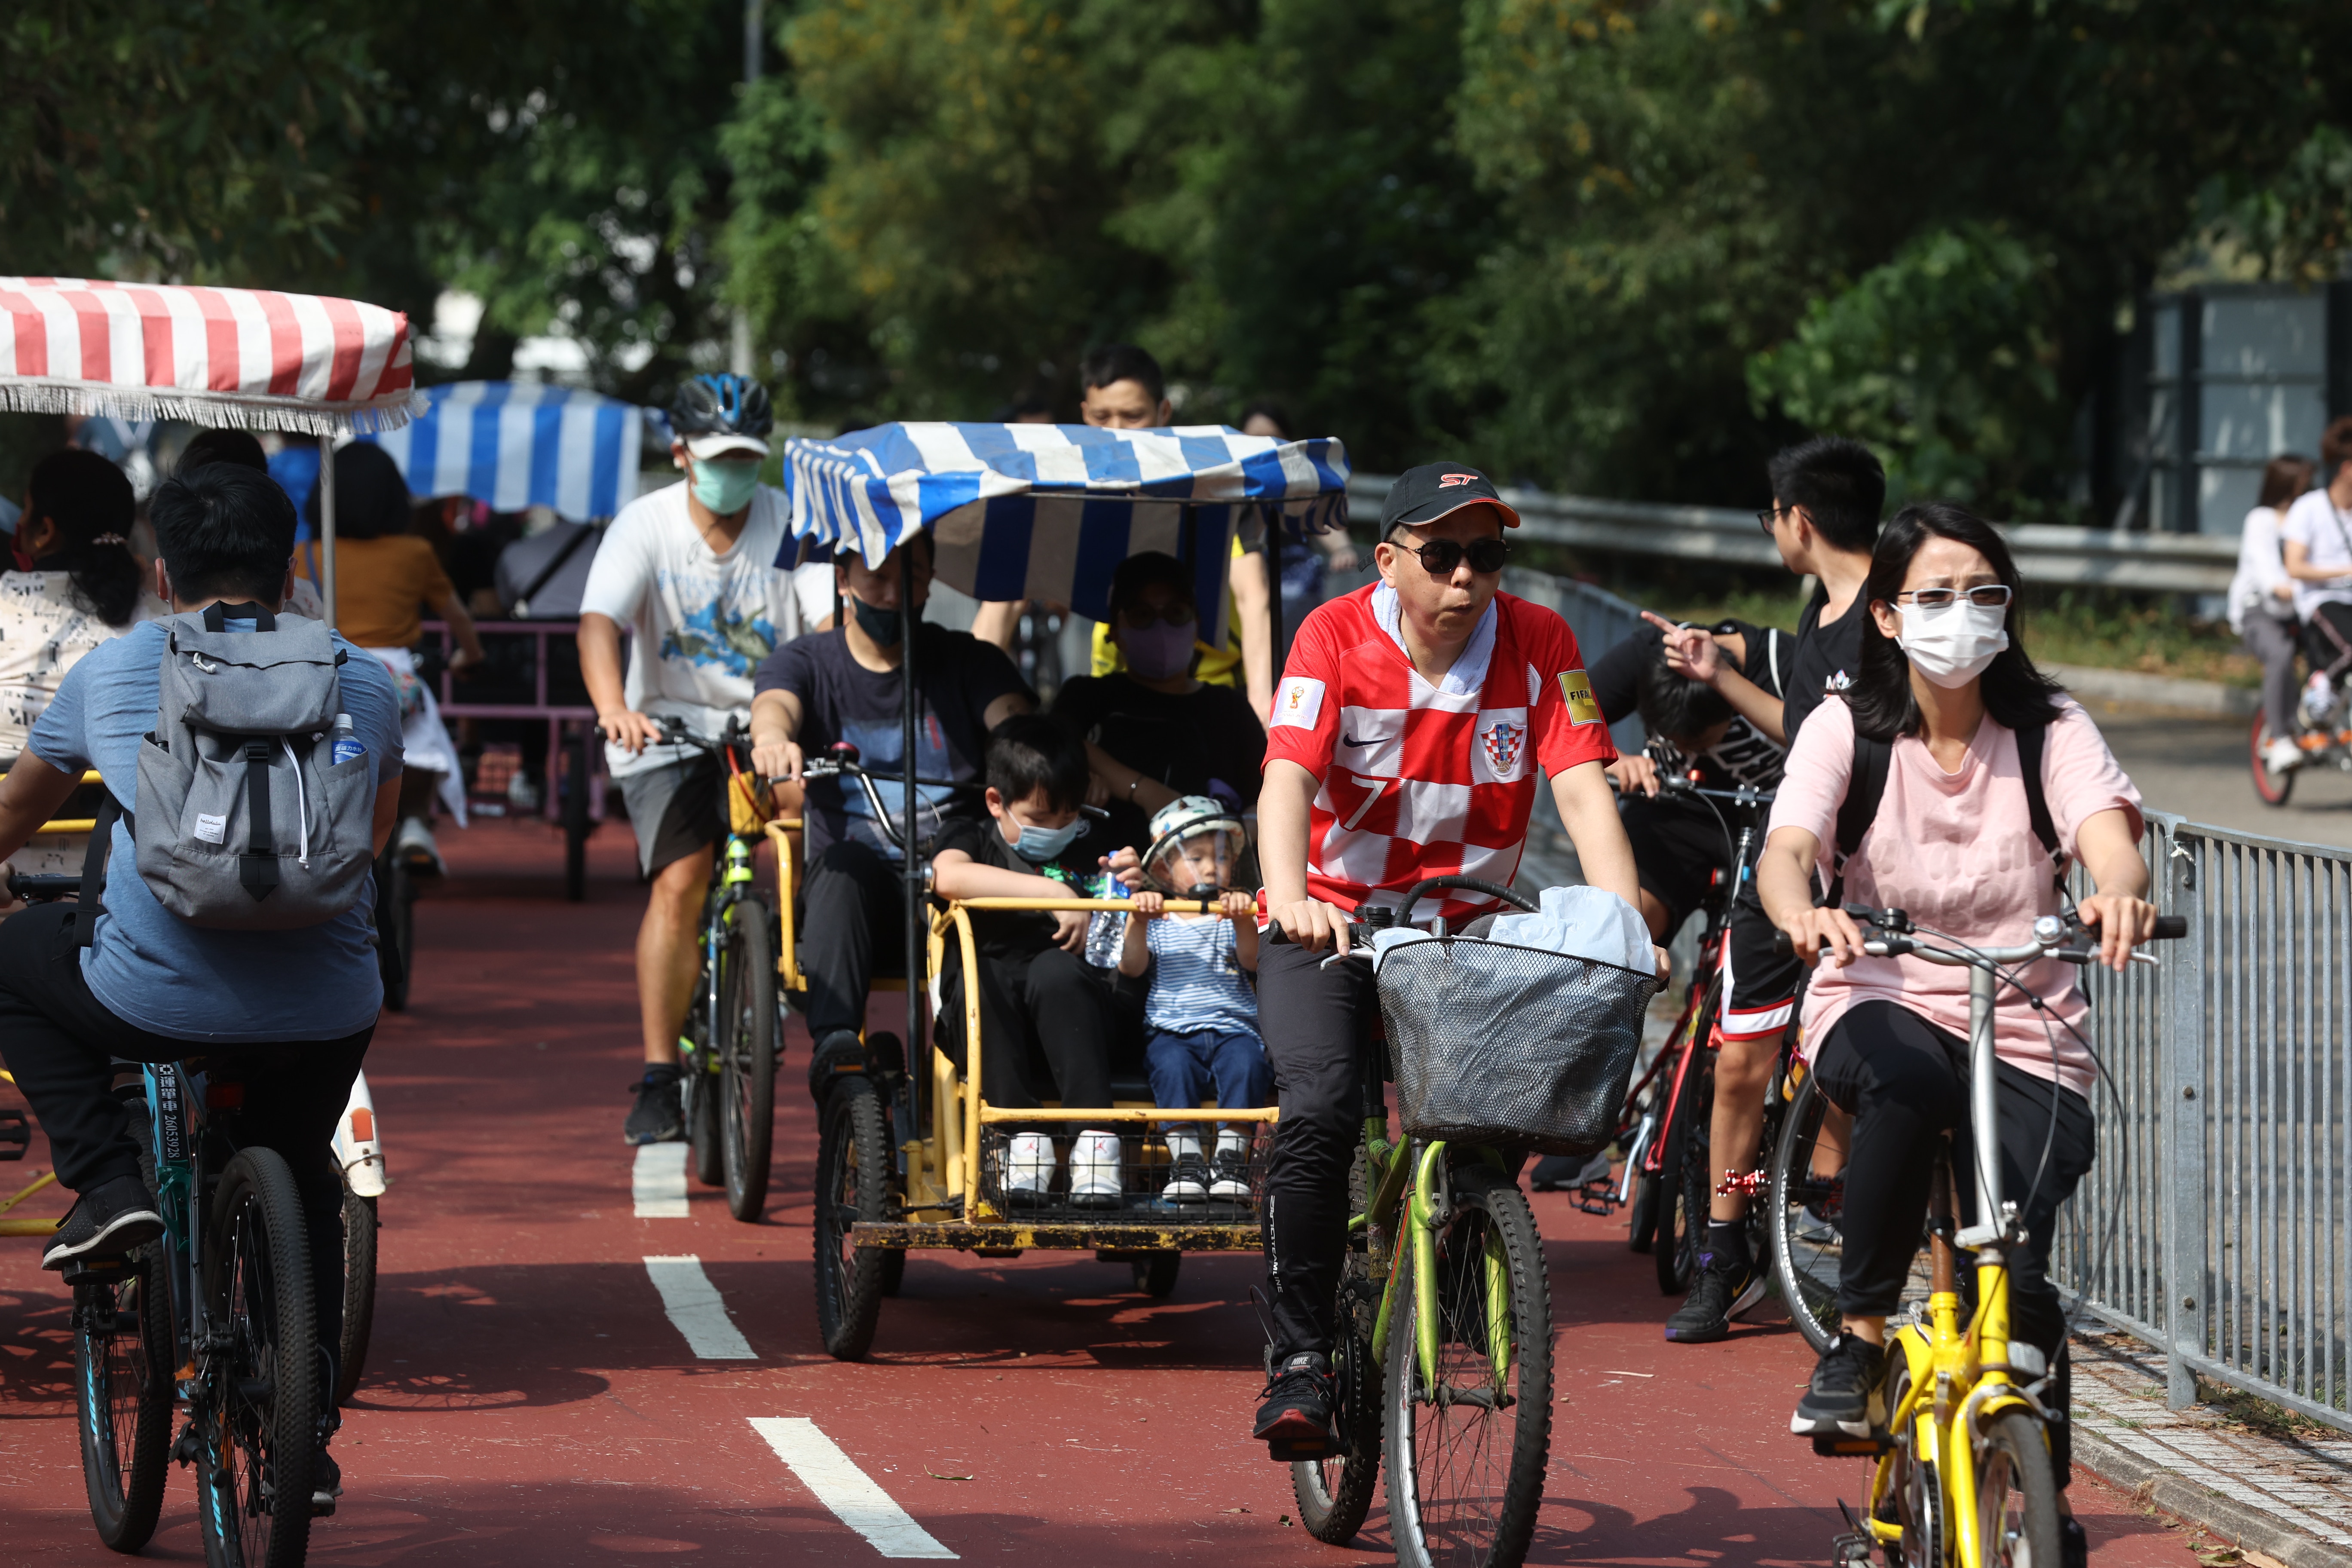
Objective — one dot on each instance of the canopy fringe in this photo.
(234, 410)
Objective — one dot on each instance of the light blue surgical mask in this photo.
(725, 488)
(1039, 845)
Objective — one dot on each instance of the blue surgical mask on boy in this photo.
(1039, 845)
(726, 487)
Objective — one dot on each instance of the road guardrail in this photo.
(2046, 552)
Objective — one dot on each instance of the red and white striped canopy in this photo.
(248, 357)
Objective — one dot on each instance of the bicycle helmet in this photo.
(1200, 848)
(716, 414)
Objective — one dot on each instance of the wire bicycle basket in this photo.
(1516, 1047)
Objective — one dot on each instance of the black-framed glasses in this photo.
(1991, 597)
(1439, 557)
(1769, 517)
(1136, 617)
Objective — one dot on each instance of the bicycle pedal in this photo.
(1850, 1448)
(95, 1271)
(15, 1134)
(1851, 1550)
(1293, 1453)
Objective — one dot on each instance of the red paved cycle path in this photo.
(528, 1402)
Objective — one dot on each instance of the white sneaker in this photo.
(1093, 1171)
(1028, 1169)
(2282, 755)
(1231, 1169)
(2318, 697)
(415, 842)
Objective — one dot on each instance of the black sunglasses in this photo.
(1441, 556)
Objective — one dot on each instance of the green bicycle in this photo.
(1442, 1351)
(732, 1027)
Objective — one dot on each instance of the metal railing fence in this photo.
(2225, 1167)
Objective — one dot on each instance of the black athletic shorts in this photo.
(1678, 849)
(675, 809)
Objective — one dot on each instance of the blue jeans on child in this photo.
(1189, 1068)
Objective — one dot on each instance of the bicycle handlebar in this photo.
(1675, 784)
(2054, 936)
(29, 886)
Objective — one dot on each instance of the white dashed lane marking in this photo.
(693, 1304)
(845, 1489)
(658, 1182)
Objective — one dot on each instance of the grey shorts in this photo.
(676, 810)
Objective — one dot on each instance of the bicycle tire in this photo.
(1335, 1493)
(1802, 1213)
(263, 1385)
(122, 1381)
(743, 1038)
(359, 1293)
(2017, 1493)
(854, 1142)
(1438, 1516)
(1685, 1189)
(2270, 788)
(1641, 1213)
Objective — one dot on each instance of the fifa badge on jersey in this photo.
(1503, 741)
(1576, 690)
(1300, 703)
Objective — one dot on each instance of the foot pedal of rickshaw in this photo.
(1843, 1447)
(15, 1134)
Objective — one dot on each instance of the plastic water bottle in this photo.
(347, 745)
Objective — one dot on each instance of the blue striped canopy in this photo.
(1048, 512)
(513, 444)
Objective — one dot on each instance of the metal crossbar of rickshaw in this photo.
(869, 492)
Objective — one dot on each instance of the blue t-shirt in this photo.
(185, 982)
(1197, 981)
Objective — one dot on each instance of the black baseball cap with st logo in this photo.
(1427, 493)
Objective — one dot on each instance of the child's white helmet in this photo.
(1180, 831)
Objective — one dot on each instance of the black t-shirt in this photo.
(1745, 754)
(1000, 933)
(957, 676)
(1188, 743)
(1829, 658)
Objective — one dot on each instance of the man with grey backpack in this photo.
(252, 770)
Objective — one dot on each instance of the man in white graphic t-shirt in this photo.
(690, 572)
(2317, 538)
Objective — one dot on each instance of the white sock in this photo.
(1182, 1141)
(1232, 1140)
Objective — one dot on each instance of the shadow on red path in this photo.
(528, 1402)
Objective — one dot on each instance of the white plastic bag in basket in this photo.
(1583, 923)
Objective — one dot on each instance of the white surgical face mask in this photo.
(1951, 647)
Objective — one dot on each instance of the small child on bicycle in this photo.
(1202, 1009)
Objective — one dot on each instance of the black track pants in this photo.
(852, 927)
(1906, 1082)
(60, 1042)
(1312, 1019)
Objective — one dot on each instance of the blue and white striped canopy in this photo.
(513, 444)
(1048, 512)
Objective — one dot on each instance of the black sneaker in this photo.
(107, 1221)
(1845, 1398)
(837, 1056)
(1189, 1182)
(326, 1484)
(1230, 1183)
(2074, 1544)
(1295, 1418)
(1722, 1292)
(659, 1114)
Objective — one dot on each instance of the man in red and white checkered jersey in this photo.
(1409, 732)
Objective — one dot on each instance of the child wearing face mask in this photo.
(1201, 1010)
(1045, 1021)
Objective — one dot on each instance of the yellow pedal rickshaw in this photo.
(912, 1155)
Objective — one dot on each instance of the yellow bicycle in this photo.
(1963, 1476)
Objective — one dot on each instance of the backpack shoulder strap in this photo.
(93, 896)
(571, 547)
(2037, 803)
(1864, 787)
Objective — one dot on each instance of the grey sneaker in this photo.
(1845, 1398)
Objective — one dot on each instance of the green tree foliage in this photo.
(1942, 359)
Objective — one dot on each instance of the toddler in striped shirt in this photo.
(1201, 1010)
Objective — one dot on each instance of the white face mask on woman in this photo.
(1952, 646)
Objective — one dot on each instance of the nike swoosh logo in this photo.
(1348, 740)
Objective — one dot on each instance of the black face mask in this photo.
(884, 626)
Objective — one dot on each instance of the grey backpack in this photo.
(246, 821)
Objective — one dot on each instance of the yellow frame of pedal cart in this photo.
(944, 1201)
